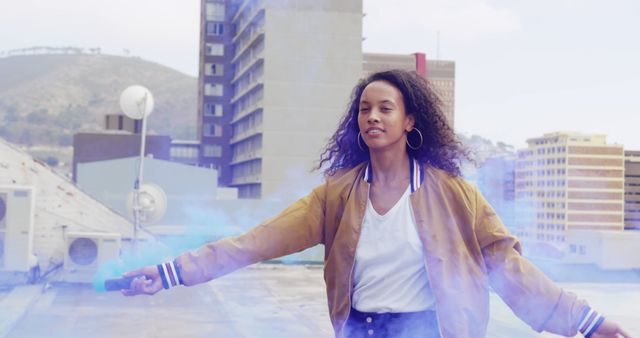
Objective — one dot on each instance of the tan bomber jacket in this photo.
(467, 250)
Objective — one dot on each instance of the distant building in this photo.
(188, 189)
(92, 147)
(568, 181)
(608, 250)
(122, 122)
(496, 181)
(377, 62)
(105, 165)
(274, 80)
(122, 139)
(185, 152)
(440, 73)
(632, 190)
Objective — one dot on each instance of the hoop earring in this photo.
(359, 145)
(421, 140)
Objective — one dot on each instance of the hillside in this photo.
(45, 99)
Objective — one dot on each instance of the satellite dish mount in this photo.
(147, 202)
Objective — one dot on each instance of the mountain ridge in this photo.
(46, 98)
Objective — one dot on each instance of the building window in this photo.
(214, 49)
(212, 151)
(215, 11)
(212, 109)
(184, 152)
(211, 69)
(215, 28)
(249, 191)
(212, 129)
(213, 89)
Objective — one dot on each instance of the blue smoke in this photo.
(202, 224)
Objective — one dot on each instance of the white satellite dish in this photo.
(136, 102)
(152, 201)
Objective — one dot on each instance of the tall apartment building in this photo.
(632, 190)
(440, 73)
(569, 181)
(275, 77)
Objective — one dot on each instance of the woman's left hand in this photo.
(609, 329)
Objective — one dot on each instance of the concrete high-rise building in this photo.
(632, 190)
(275, 77)
(440, 73)
(569, 181)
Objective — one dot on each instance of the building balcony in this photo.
(256, 35)
(246, 111)
(243, 180)
(240, 9)
(255, 61)
(246, 134)
(246, 156)
(245, 17)
(258, 82)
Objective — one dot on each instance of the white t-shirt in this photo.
(389, 274)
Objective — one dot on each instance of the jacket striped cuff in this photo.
(170, 274)
(590, 322)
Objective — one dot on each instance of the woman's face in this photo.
(382, 118)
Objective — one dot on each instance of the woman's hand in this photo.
(609, 329)
(147, 281)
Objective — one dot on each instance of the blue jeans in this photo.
(423, 324)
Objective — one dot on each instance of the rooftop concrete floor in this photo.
(265, 300)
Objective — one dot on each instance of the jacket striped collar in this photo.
(415, 172)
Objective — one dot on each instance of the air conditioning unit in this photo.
(85, 252)
(17, 204)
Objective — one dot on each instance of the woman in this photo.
(411, 249)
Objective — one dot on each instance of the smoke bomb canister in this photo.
(117, 284)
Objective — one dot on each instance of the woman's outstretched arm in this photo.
(298, 227)
(532, 296)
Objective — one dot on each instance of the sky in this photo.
(523, 68)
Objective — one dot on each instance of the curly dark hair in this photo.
(441, 148)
